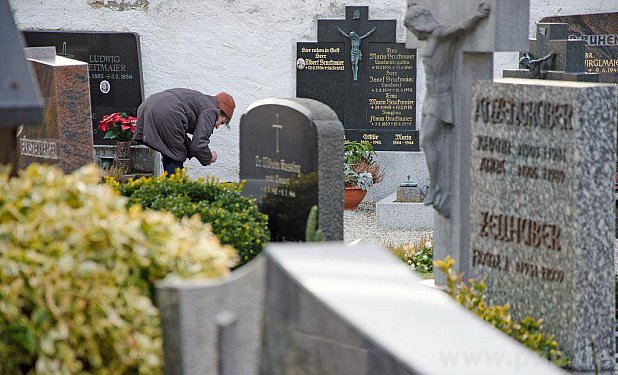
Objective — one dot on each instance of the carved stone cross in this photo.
(504, 29)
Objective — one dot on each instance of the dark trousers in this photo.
(170, 165)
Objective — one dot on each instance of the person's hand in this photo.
(483, 10)
(214, 156)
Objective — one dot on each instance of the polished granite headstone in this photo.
(555, 56)
(541, 208)
(114, 63)
(380, 105)
(291, 157)
(600, 32)
(65, 136)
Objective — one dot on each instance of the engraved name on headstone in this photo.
(291, 158)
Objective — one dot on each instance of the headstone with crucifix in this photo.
(553, 56)
(291, 159)
(461, 38)
(368, 79)
(19, 101)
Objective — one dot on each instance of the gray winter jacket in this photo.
(165, 119)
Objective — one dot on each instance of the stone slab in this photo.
(403, 215)
(189, 312)
(368, 310)
(542, 207)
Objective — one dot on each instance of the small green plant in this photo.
(234, 218)
(419, 255)
(528, 330)
(312, 232)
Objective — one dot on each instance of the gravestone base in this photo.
(397, 166)
(142, 157)
(403, 215)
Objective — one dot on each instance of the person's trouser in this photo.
(170, 165)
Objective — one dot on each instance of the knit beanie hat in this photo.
(226, 104)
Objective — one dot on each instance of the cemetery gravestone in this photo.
(368, 79)
(553, 56)
(116, 85)
(505, 29)
(541, 213)
(291, 157)
(19, 101)
(114, 64)
(65, 136)
(600, 33)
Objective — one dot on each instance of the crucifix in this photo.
(19, 101)
(456, 53)
(357, 21)
(277, 127)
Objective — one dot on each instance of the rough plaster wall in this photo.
(246, 47)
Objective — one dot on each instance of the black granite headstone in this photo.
(600, 32)
(378, 106)
(291, 158)
(114, 63)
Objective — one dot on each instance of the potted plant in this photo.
(120, 126)
(360, 172)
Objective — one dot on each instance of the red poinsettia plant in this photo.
(119, 126)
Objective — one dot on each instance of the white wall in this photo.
(245, 47)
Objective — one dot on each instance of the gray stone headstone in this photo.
(291, 157)
(541, 209)
(213, 327)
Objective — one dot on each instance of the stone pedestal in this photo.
(403, 215)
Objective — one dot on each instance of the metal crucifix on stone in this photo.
(461, 37)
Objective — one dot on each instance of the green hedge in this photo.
(235, 219)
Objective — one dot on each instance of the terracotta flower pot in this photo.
(352, 196)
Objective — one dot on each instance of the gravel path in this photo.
(360, 224)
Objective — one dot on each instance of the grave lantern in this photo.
(19, 100)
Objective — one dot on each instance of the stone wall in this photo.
(247, 48)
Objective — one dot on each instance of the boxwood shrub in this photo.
(234, 218)
(78, 270)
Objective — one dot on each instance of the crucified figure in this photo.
(438, 114)
(357, 55)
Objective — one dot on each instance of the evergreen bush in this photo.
(234, 218)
